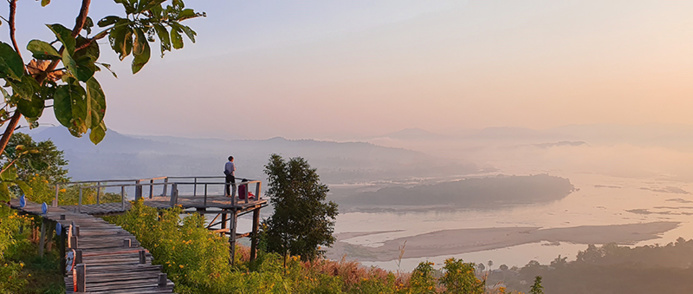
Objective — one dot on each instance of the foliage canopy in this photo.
(45, 160)
(62, 69)
(302, 220)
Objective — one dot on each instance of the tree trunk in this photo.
(9, 131)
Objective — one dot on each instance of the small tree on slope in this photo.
(302, 220)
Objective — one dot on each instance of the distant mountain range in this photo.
(121, 156)
(673, 136)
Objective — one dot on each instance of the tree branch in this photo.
(81, 18)
(16, 116)
(9, 130)
(13, 11)
(8, 165)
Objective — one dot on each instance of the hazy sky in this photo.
(336, 69)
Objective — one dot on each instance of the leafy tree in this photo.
(459, 277)
(537, 288)
(63, 69)
(422, 279)
(302, 220)
(45, 161)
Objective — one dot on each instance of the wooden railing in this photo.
(206, 185)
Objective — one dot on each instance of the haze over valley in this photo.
(545, 192)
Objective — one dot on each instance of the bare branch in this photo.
(11, 22)
(9, 130)
(8, 165)
(81, 18)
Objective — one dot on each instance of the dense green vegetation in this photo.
(21, 269)
(197, 262)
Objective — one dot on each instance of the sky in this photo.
(349, 69)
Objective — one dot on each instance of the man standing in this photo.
(230, 172)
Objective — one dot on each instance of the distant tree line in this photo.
(609, 269)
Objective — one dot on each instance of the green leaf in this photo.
(127, 46)
(10, 174)
(141, 59)
(96, 101)
(5, 95)
(42, 50)
(65, 36)
(88, 24)
(108, 20)
(189, 32)
(11, 64)
(117, 38)
(4, 192)
(26, 189)
(70, 107)
(176, 39)
(97, 133)
(186, 14)
(150, 4)
(140, 42)
(163, 38)
(83, 68)
(90, 52)
(31, 108)
(108, 67)
(129, 8)
(26, 88)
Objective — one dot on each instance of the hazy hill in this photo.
(414, 134)
(124, 156)
(489, 192)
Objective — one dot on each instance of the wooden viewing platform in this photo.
(110, 256)
(195, 194)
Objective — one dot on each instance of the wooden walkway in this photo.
(110, 256)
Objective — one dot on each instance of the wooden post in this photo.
(258, 189)
(233, 200)
(223, 220)
(98, 193)
(43, 236)
(79, 207)
(81, 274)
(78, 256)
(162, 280)
(63, 245)
(246, 192)
(138, 189)
(195, 186)
(57, 189)
(174, 194)
(73, 242)
(143, 257)
(232, 237)
(151, 188)
(254, 237)
(122, 196)
(205, 200)
(165, 187)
